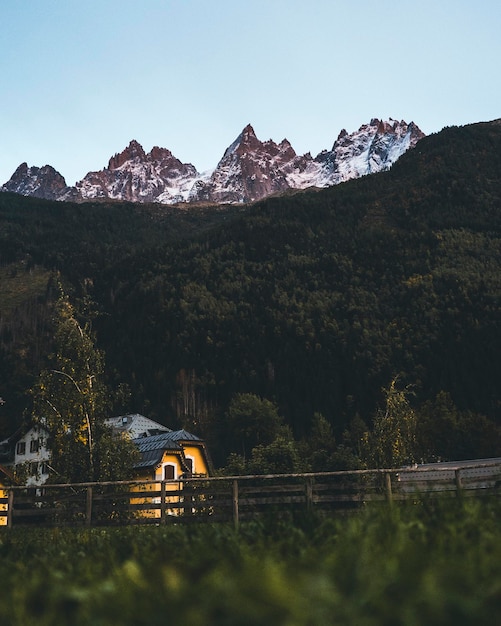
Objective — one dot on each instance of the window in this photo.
(169, 472)
(21, 447)
(34, 445)
(188, 461)
(33, 469)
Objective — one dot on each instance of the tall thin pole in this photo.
(235, 504)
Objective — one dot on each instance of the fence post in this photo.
(459, 484)
(309, 493)
(389, 492)
(163, 504)
(235, 503)
(10, 507)
(88, 511)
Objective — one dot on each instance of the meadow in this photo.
(428, 563)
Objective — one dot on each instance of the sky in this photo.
(79, 79)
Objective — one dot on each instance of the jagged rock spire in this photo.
(249, 169)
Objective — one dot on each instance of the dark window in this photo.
(34, 445)
(169, 472)
(33, 469)
(189, 464)
(21, 447)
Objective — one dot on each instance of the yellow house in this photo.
(169, 457)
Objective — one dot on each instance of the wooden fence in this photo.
(236, 498)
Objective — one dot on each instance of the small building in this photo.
(169, 457)
(179, 452)
(450, 475)
(28, 450)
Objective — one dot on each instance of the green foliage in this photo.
(281, 456)
(20, 283)
(254, 426)
(429, 564)
(445, 433)
(71, 401)
(321, 452)
(252, 421)
(393, 441)
(313, 300)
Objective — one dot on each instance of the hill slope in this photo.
(315, 300)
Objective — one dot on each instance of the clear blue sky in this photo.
(81, 78)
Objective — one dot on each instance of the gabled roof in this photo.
(147, 444)
(166, 438)
(21, 432)
(135, 425)
(183, 435)
(12, 439)
(152, 448)
(151, 458)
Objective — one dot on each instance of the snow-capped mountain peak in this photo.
(249, 169)
(42, 182)
(246, 140)
(373, 148)
(137, 176)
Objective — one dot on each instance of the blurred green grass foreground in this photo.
(428, 563)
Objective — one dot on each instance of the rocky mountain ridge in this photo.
(249, 170)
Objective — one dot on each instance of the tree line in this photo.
(320, 303)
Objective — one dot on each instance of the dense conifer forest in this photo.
(316, 301)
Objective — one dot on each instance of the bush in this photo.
(429, 563)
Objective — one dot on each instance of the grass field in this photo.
(423, 564)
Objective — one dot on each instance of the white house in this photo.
(30, 449)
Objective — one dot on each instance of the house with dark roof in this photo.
(165, 454)
(171, 455)
(27, 447)
(167, 458)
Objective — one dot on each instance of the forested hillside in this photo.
(314, 300)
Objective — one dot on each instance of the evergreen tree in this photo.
(321, 452)
(252, 421)
(281, 456)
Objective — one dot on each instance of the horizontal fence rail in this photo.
(236, 498)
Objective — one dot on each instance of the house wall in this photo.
(169, 458)
(199, 460)
(31, 451)
(3, 506)
(173, 489)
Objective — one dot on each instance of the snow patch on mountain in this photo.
(249, 169)
(40, 182)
